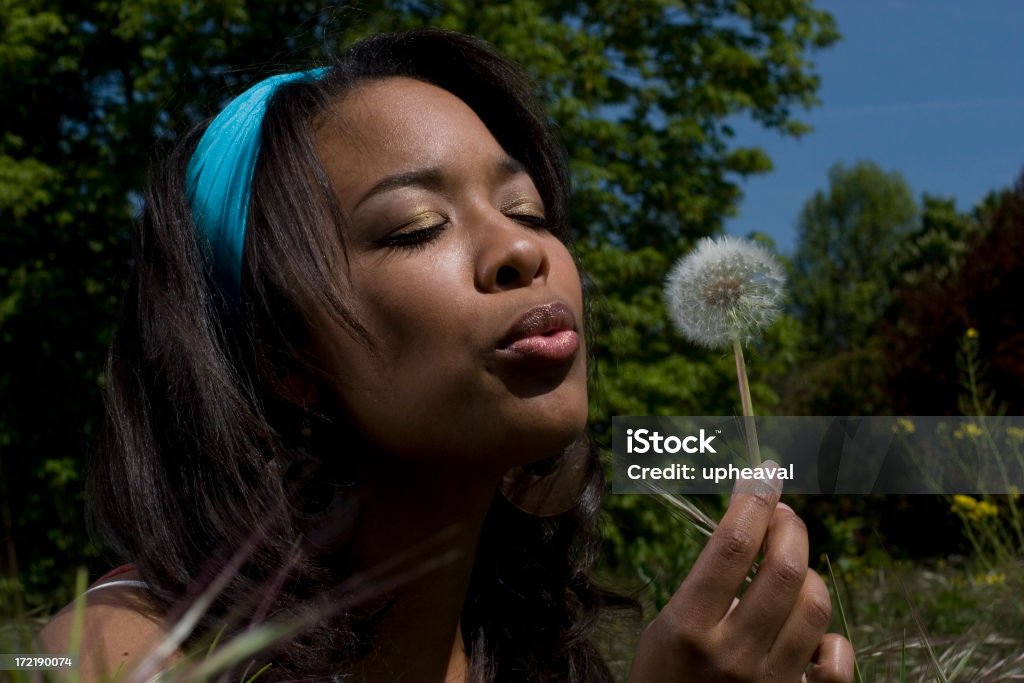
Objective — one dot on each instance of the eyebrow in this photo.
(432, 178)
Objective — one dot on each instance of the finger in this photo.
(719, 571)
(833, 661)
(772, 595)
(800, 639)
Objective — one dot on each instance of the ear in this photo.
(299, 389)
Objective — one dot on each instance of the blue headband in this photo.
(219, 176)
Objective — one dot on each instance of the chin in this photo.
(550, 433)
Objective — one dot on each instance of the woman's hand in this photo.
(774, 632)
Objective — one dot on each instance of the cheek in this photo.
(419, 336)
(565, 275)
(413, 310)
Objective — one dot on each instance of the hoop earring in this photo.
(552, 487)
(324, 503)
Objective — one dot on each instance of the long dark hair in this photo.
(203, 454)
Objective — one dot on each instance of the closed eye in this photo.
(412, 239)
(530, 220)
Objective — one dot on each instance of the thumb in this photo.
(833, 661)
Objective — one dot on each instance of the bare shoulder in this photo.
(118, 632)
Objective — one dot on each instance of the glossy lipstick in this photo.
(546, 333)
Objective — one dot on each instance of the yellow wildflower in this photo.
(986, 509)
(972, 333)
(973, 509)
(991, 578)
(1015, 433)
(964, 504)
(970, 430)
(905, 426)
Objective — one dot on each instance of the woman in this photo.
(352, 371)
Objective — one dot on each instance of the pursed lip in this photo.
(540, 321)
(544, 335)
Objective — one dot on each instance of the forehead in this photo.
(398, 124)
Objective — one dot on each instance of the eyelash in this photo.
(530, 220)
(418, 239)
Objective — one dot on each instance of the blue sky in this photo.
(933, 89)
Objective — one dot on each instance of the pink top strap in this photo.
(123, 569)
(109, 579)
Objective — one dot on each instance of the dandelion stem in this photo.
(753, 450)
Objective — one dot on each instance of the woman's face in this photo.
(475, 309)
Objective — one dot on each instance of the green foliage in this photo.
(884, 294)
(951, 320)
(845, 239)
(841, 283)
(973, 283)
(935, 250)
(89, 89)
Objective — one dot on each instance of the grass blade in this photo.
(846, 626)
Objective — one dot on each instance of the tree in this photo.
(935, 250)
(89, 91)
(845, 241)
(642, 93)
(975, 285)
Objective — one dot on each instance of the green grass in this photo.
(955, 620)
(932, 621)
(936, 622)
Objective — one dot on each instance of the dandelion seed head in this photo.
(725, 290)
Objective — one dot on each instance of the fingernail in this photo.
(760, 486)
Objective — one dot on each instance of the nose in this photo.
(510, 256)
